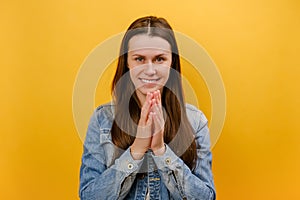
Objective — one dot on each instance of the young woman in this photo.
(147, 143)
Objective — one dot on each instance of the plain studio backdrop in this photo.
(255, 45)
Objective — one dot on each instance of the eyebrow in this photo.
(162, 54)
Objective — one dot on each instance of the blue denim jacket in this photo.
(167, 177)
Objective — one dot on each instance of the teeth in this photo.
(148, 81)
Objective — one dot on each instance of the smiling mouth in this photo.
(149, 80)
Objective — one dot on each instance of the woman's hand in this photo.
(150, 131)
(142, 141)
(157, 142)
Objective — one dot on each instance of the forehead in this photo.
(144, 42)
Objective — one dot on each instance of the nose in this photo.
(149, 69)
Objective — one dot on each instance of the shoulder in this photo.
(106, 108)
(195, 116)
(104, 114)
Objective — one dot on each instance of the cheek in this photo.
(165, 71)
(134, 73)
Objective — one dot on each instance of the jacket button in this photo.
(130, 166)
(168, 161)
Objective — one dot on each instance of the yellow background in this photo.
(255, 44)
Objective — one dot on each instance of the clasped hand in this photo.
(150, 131)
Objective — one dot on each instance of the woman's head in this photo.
(148, 50)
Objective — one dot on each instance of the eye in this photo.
(160, 59)
(139, 59)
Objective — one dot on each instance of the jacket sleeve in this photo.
(98, 181)
(179, 179)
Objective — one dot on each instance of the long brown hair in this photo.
(178, 133)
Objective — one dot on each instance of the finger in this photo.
(159, 116)
(159, 97)
(152, 104)
(156, 109)
(145, 109)
(158, 112)
(150, 119)
(144, 131)
(158, 102)
(158, 123)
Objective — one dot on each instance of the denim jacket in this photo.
(166, 177)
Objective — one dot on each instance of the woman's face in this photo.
(149, 60)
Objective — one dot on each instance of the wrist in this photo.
(136, 155)
(159, 151)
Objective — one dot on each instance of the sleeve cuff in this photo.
(126, 164)
(168, 160)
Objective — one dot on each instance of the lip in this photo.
(149, 81)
